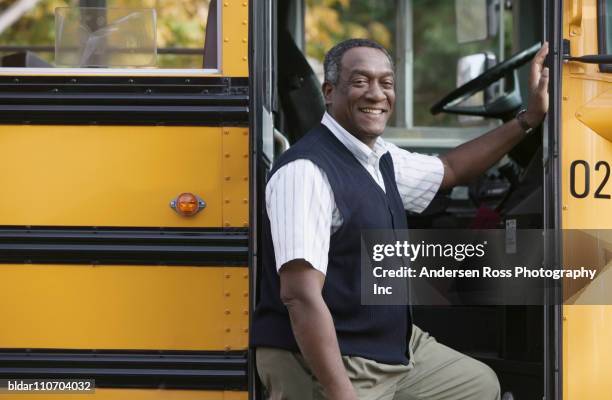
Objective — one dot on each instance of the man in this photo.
(314, 339)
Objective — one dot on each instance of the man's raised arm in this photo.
(313, 327)
(473, 158)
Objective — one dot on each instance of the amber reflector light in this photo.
(187, 204)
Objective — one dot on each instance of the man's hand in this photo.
(538, 88)
(473, 158)
(313, 327)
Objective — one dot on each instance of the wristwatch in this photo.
(520, 117)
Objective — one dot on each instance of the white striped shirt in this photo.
(300, 201)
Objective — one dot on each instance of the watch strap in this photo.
(520, 117)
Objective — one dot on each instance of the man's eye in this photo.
(387, 84)
(360, 82)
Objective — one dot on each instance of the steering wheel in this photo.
(503, 107)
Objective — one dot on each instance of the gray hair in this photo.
(333, 58)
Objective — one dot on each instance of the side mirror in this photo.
(470, 67)
(500, 99)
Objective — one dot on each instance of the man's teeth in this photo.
(372, 111)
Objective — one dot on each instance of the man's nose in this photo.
(375, 92)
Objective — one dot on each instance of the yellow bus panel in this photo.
(586, 146)
(124, 307)
(122, 176)
(235, 34)
(587, 352)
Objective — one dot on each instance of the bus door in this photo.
(124, 207)
(586, 196)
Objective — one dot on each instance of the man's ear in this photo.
(327, 89)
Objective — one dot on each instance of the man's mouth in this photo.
(370, 110)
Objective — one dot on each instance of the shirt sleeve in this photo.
(300, 202)
(418, 177)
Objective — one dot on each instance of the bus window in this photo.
(59, 33)
(423, 38)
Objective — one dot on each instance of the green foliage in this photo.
(331, 21)
(436, 52)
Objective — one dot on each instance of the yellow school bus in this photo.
(126, 197)
(135, 138)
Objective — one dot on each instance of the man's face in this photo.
(363, 98)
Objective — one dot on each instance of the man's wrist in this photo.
(340, 389)
(533, 119)
(528, 121)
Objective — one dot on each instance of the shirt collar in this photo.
(362, 152)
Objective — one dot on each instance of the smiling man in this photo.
(314, 339)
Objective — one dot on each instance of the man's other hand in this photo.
(538, 88)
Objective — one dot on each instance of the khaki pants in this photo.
(435, 372)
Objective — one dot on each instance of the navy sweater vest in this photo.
(378, 333)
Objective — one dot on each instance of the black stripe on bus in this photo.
(116, 369)
(124, 246)
(203, 101)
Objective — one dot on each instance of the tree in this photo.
(331, 21)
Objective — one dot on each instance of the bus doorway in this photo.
(429, 45)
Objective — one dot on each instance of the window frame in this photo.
(602, 34)
(128, 72)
